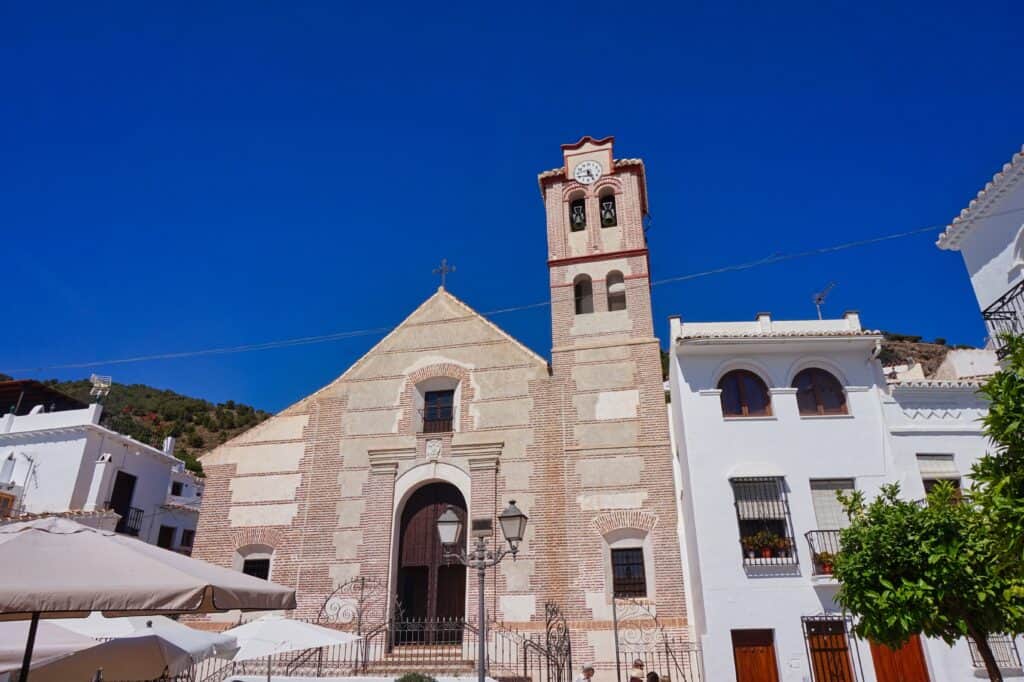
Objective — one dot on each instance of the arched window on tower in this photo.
(616, 285)
(609, 214)
(818, 393)
(578, 214)
(744, 394)
(583, 293)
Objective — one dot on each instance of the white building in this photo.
(63, 461)
(769, 419)
(989, 234)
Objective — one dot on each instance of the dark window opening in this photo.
(583, 293)
(744, 395)
(257, 568)
(628, 579)
(176, 487)
(165, 537)
(188, 537)
(438, 411)
(819, 393)
(578, 215)
(609, 216)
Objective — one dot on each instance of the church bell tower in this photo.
(614, 439)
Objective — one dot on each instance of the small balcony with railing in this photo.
(824, 546)
(1004, 316)
(130, 522)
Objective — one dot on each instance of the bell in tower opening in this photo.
(608, 218)
(578, 214)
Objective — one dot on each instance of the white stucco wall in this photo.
(989, 247)
(876, 443)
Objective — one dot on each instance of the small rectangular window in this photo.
(1003, 648)
(257, 568)
(628, 579)
(6, 505)
(165, 536)
(176, 488)
(188, 537)
(762, 512)
(438, 411)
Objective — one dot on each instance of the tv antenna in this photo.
(100, 386)
(819, 298)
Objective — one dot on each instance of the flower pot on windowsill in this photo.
(826, 569)
(766, 552)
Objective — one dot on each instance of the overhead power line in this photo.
(339, 336)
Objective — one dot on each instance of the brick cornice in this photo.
(553, 262)
(386, 459)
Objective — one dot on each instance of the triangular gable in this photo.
(425, 313)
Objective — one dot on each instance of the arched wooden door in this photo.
(431, 589)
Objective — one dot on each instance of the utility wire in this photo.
(338, 336)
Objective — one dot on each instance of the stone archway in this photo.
(431, 590)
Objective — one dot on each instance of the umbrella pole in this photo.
(26, 662)
(268, 668)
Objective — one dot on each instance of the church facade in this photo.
(448, 410)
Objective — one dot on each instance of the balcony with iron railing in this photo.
(1004, 316)
(437, 419)
(130, 523)
(824, 546)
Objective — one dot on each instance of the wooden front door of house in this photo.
(431, 589)
(753, 652)
(905, 664)
(829, 650)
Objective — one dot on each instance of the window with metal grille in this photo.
(628, 579)
(257, 568)
(762, 513)
(828, 649)
(438, 411)
(1003, 649)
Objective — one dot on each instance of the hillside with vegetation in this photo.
(150, 414)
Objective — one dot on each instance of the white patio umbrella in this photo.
(62, 569)
(52, 643)
(274, 634)
(199, 644)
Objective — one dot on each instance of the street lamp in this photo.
(449, 529)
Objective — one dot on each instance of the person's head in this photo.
(653, 677)
(588, 671)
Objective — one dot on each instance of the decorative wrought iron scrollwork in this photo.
(558, 643)
(636, 624)
(360, 601)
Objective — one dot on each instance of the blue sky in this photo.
(178, 176)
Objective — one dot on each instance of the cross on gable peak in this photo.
(443, 270)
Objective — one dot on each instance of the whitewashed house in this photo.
(63, 462)
(770, 419)
(989, 234)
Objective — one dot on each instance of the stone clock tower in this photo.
(617, 454)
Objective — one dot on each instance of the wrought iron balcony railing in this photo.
(824, 545)
(1005, 316)
(130, 523)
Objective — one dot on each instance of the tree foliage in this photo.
(951, 566)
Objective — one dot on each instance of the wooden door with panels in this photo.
(753, 653)
(905, 664)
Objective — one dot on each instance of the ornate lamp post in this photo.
(513, 527)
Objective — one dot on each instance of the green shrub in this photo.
(415, 677)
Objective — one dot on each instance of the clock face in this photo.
(587, 172)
